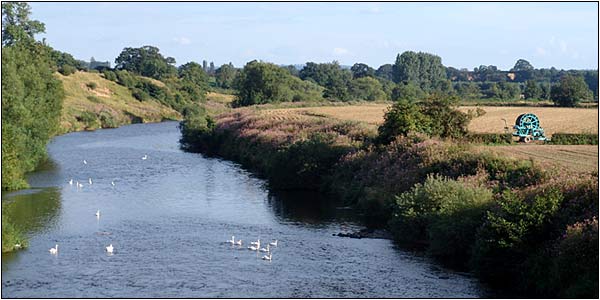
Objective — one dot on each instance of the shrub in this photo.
(110, 75)
(513, 229)
(92, 85)
(139, 94)
(67, 70)
(107, 120)
(489, 138)
(90, 120)
(574, 139)
(94, 99)
(440, 212)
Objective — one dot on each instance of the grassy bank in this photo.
(93, 102)
(513, 222)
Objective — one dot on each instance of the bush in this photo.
(107, 120)
(574, 139)
(489, 138)
(440, 212)
(92, 85)
(67, 70)
(89, 119)
(139, 94)
(94, 99)
(513, 229)
(110, 75)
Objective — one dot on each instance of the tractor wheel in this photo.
(527, 139)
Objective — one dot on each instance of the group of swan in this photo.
(109, 248)
(255, 246)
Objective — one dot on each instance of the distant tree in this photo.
(225, 76)
(205, 65)
(570, 91)
(331, 76)
(146, 61)
(211, 69)
(361, 70)
(367, 88)
(532, 90)
(422, 69)
(385, 72)
(16, 25)
(193, 80)
(522, 65)
(591, 79)
(468, 90)
(293, 70)
(407, 91)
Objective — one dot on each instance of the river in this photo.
(168, 218)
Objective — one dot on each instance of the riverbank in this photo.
(512, 222)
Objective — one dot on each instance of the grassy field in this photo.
(553, 119)
(107, 101)
(572, 157)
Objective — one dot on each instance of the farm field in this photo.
(553, 119)
(572, 157)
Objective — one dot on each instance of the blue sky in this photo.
(465, 35)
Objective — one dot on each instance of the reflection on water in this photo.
(168, 217)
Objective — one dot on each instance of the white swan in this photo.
(239, 243)
(274, 244)
(90, 180)
(71, 181)
(257, 243)
(84, 162)
(268, 249)
(54, 250)
(145, 157)
(79, 185)
(232, 241)
(268, 257)
(253, 248)
(17, 246)
(113, 183)
(109, 249)
(98, 214)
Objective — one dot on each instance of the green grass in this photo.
(109, 103)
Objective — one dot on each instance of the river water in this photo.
(168, 218)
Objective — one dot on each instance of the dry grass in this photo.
(218, 97)
(553, 119)
(572, 157)
(107, 98)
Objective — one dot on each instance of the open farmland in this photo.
(572, 157)
(553, 119)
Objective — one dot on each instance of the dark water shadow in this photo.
(32, 210)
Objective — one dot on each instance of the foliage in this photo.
(435, 115)
(225, 76)
(366, 88)
(489, 138)
(91, 85)
(16, 25)
(31, 105)
(574, 139)
(570, 91)
(195, 128)
(532, 90)
(423, 69)
(331, 76)
(407, 91)
(146, 61)
(360, 70)
(11, 236)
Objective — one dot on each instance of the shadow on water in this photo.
(32, 210)
(309, 207)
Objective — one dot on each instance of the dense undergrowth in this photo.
(515, 223)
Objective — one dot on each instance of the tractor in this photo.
(527, 128)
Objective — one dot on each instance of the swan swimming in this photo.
(54, 250)
(17, 246)
(113, 183)
(90, 180)
(79, 185)
(98, 214)
(145, 157)
(239, 243)
(253, 248)
(71, 181)
(232, 241)
(257, 243)
(268, 249)
(267, 257)
(84, 162)
(274, 244)
(109, 249)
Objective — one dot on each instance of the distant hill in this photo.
(92, 102)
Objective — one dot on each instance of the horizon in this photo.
(242, 32)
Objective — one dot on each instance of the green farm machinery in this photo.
(527, 128)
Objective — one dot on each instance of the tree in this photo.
(385, 72)
(16, 25)
(366, 88)
(361, 70)
(570, 91)
(422, 69)
(146, 61)
(225, 76)
(260, 83)
(211, 69)
(522, 65)
(331, 76)
(407, 91)
(532, 90)
(194, 80)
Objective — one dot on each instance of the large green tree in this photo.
(146, 61)
(31, 96)
(570, 91)
(422, 69)
(331, 76)
(225, 75)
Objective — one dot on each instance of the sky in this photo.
(464, 35)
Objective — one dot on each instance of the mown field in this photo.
(107, 101)
(553, 119)
(568, 120)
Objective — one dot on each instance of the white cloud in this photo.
(340, 51)
(182, 40)
(541, 51)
